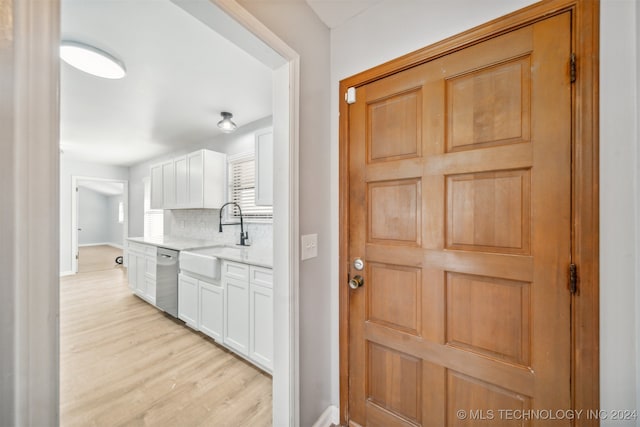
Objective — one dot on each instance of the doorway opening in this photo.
(99, 223)
(230, 19)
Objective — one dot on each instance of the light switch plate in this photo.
(309, 246)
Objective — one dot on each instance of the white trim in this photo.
(74, 213)
(113, 245)
(331, 415)
(30, 385)
(286, 381)
(67, 273)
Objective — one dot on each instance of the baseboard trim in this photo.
(331, 415)
(114, 245)
(66, 273)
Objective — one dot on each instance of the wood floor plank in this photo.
(125, 363)
(99, 257)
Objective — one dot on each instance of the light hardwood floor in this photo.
(124, 363)
(95, 258)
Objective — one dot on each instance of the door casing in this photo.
(585, 200)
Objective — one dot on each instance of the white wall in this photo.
(618, 206)
(93, 217)
(298, 26)
(388, 31)
(70, 167)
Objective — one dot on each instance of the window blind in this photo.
(242, 186)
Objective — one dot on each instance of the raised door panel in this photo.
(211, 300)
(168, 185)
(261, 326)
(188, 300)
(157, 189)
(182, 181)
(236, 311)
(264, 168)
(214, 179)
(195, 164)
(141, 282)
(132, 270)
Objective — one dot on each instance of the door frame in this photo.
(585, 362)
(29, 39)
(75, 215)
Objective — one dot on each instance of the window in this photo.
(242, 184)
(120, 212)
(153, 218)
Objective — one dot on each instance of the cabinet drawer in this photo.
(151, 251)
(235, 270)
(261, 276)
(136, 247)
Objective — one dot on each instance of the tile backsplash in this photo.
(203, 224)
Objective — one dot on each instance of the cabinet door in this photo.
(156, 187)
(132, 270)
(264, 168)
(196, 179)
(211, 310)
(168, 185)
(141, 283)
(261, 326)
(150, 279)
(182, 182)
(236, 312)
(188, 300)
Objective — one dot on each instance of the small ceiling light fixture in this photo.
(226, 125)
(91, 60)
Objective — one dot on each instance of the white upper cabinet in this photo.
(168, 185)
(182, 181)
(156, 187)
(193, 181)
(264, 168)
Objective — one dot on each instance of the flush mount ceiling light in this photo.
(226, 125)
(91, 60)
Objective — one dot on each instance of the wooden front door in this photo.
(460, 207)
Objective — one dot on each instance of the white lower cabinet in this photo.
(201, 305)
(236, 310)
(261, 326)
(211, 309)
(248, 311)
(141, 271)
(188, 300)
(237, 313)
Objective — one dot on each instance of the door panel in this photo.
(460, 191)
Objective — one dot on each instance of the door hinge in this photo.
(350, 96)
(77, 256)
(76, 189)
(573, 278)
(573, 67)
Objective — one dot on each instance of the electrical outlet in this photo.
(309, 246)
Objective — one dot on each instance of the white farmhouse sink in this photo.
(199, 263)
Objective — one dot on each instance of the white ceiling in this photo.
(180, 76)
(107, 188)
(337, 12)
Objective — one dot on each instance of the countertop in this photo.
(176, 243)
(246, 255)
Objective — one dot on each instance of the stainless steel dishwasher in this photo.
(167, 281)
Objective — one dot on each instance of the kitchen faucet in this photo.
(244, 235)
